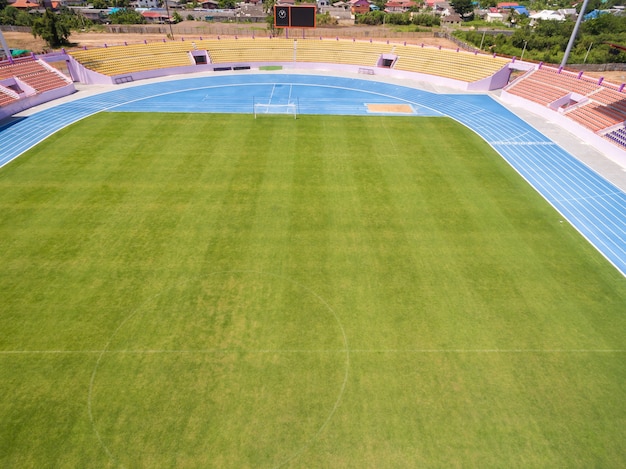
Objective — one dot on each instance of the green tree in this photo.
(126, 16)
(51, 29)
(268, 8)
(465, 8)
(546, 41)
(604, 23)
(326, 19)
(371, 18)
(592, 5)
(74, 21)
(24, 18)
(398, 18)
(8, 15)
(380, 4)
(424, 19)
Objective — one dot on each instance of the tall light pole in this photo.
(524, 50)
(572, 38)
(5, 46)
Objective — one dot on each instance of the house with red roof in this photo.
(399, 6)
(358, 7)
(157, 17)
(435, 4)
(25, 4)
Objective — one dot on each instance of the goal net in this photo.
(266, 108)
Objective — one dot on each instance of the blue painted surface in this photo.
(593, 205)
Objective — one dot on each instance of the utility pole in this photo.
(587, 54)
(169, 20)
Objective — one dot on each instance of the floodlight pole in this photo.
(572, 38)
(5, 46)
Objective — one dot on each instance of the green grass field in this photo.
(218, 291)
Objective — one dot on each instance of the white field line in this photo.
(303, 351)
(481, 351)
(272, 93)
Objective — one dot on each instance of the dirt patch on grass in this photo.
(24, 41)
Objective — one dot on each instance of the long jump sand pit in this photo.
(390, 108)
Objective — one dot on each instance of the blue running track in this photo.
(595, 207)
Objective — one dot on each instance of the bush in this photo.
(126, 16)
(325, 19)
(424, 19)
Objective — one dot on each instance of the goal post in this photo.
(290, 108)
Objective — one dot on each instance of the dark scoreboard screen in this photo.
(294, 16)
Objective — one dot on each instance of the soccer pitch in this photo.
(206, 290)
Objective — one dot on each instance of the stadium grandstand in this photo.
(29, 81)
(117, 64)
(597, 106)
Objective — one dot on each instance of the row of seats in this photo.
(596, 116)
(535, 88)
(536, 91)
(617, 136)
(19, 67)
(41, 82)
(6, 98)
(124, 65)
(612, 98)
(341, 52)
(32, 72)
(447, 63)
(224, 51)
(131, 50)
(457, 65)
(566, 81)
(604, 107)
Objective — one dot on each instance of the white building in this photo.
(493, 17)
(548, 15)
(145, 3)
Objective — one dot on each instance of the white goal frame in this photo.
(290, 108)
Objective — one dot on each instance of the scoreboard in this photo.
(294, 16)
